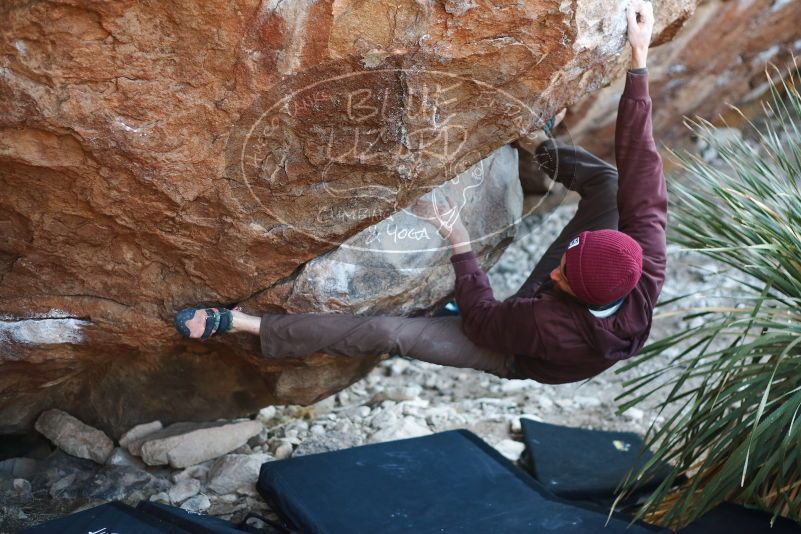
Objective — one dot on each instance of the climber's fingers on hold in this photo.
(424, 209)
(428, 208)
(647, 13)
(560, 117)
(631, 12)
(640, 12)
(444, 203)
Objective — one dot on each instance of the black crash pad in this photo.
(582, 464)
(114, 517)
(147, 518)
(188, 521)
(451, 482)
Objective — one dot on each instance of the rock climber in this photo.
(588, 302)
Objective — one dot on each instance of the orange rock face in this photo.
(718, 58)
(156, 155)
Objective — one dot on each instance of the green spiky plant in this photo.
(731, 427)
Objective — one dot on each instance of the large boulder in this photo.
(160, 155)
(717, 59)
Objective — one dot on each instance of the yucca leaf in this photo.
(730, 393)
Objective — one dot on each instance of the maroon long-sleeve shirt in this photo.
(556, 337)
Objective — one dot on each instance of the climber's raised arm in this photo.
(642, 196)
(640, 15)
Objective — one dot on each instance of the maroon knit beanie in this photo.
(602, 266)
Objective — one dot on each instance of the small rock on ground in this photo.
(197, 504)
(510, 449)
(74, 436)
(184, 489)
(137, 433)
(236, 472)
(197, 445)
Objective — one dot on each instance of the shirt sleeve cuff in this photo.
(636, 85)
(465, 263)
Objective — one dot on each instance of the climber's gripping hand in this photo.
(640, 15)
(443, 213)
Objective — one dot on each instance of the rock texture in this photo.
(185, 444)
(137, 434)
(396, 264)
(236, 472)
(159, 155)
(74, 437)
(718, 58)
(183, 490)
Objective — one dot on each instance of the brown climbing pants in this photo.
(430, 339)
(441, 340)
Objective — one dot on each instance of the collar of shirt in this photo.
(600, 313)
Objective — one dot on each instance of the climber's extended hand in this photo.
(640, 15)
(444, 214)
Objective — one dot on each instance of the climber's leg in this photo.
(437, 340)
(202, 323)
(245, 323)
(592, 178)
